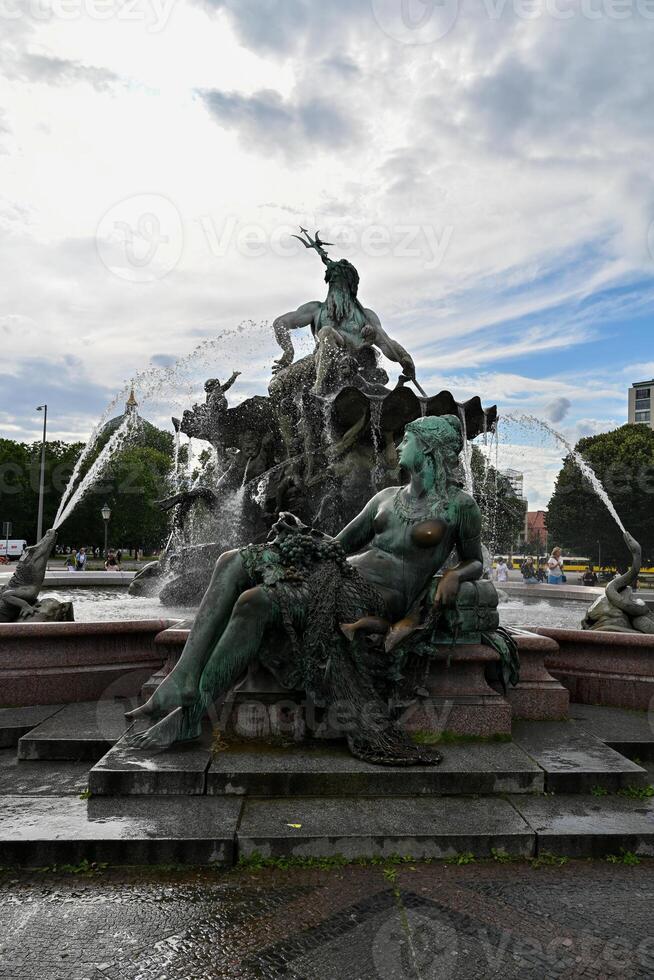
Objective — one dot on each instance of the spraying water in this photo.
(577, 457)
(176, 460)
(150, 384)
(467, 465)
(375, 429)
(115, 444)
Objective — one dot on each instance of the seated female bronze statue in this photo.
(319, 590)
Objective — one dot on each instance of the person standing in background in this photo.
(555, 567)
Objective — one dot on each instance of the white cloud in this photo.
(520, 147)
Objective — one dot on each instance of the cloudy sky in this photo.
(487, 165)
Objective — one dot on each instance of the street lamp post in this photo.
(39, 521)
(106, 514)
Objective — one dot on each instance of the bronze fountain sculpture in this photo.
(304, 603)
(321, 441)
(342, 598)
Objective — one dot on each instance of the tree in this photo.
(136, 479)
(20, 467)
(131, 484)
(578, 520)
(502, 511)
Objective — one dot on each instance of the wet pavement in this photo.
(381, 922)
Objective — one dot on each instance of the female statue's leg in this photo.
(238, 646)
(180, 688)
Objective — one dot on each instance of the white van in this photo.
(12, 549)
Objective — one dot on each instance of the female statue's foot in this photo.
(160, 736)
(175, 691)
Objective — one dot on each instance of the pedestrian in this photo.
(529, 572)
(119, 556)
(502, 571)
(555, 568)
(111, 564)
(80, 560)
(70, 564)
(589, 577)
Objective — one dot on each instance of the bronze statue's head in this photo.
(342, 275)
(431, 439)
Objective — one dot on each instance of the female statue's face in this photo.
(408, 451)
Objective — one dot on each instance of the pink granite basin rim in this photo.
(50, 630)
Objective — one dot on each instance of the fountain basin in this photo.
(613, 669)
(58, 663)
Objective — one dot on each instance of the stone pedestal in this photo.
(538, 696)
(258, 707)
(457, 698)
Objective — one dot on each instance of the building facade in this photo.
(640, 403)
(517, 481)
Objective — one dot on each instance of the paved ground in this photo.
(583, 919)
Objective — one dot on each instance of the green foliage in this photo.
(85, 794)
(131, 484)
(599, 791)
(624, 857)
(548, 860)
(637, 792)
(501, 856)
(85, 868)
(465, 857)
(577, 519)
(502, 511)
(452, 738)
(20, 465)
(256, 862)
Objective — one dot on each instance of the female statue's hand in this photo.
(447, 589)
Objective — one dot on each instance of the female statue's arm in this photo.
(468, 546)
(360, 531)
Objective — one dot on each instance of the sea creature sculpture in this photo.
(19, 598)
(619, 610)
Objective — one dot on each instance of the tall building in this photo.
(640, 410)
(516, 479)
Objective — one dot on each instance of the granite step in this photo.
(41, 778)
(629, 732)
(329, 770)
(575, 761)
(179, 771)
(16, 722)
(85, 730)
(43, 830)
(578, 826)
(429, 827)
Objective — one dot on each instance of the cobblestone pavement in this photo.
(585, 919)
